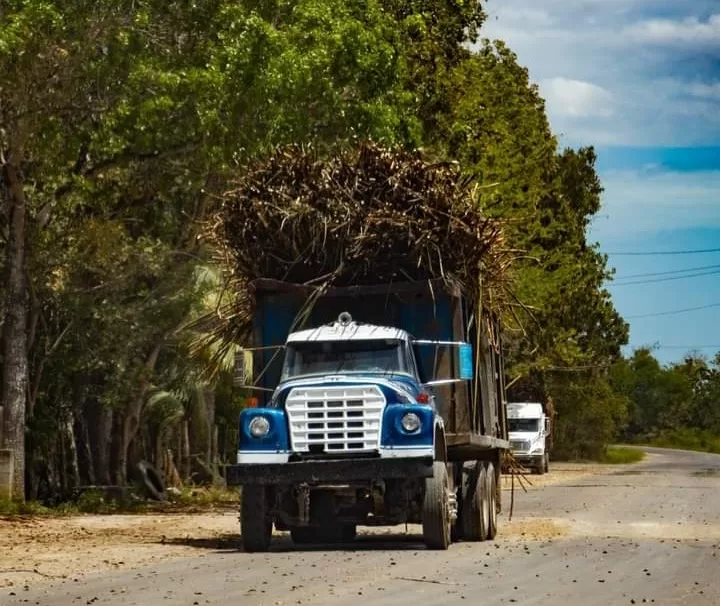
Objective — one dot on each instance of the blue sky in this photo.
(640, 81)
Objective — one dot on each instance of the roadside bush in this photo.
(622, 456)
(589, 415)
(686, 439)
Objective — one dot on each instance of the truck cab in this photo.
(528, 429)
(345, 389)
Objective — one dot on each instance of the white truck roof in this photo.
(348, 331)
(524, 410)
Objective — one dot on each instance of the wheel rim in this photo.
(448, 508)
(484, 493)
(493, 504)
(485, 508)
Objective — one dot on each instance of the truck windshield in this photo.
(334, 357)
(524, 424)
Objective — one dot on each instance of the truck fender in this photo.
(440, 443)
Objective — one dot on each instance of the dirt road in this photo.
(648, 533)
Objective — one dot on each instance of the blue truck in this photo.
(377, 405)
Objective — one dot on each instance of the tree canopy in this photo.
(119, 123)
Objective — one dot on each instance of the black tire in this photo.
(255, 522)
(540, 469)
(492, 502)
(475, 512)
(547, 462)
(436, 520)
(151, 481)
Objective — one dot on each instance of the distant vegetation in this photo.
(675, 406)
(688, 439)
(616, 455)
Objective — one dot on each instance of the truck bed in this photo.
(471, 446)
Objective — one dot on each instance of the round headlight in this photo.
(259, 427)
(410, 422)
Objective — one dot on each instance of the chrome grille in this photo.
(335, 419)
(519, 445)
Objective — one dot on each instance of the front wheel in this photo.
(476, 503)
(491, 492)
(547, 462)
(436, 518)
(255, 522)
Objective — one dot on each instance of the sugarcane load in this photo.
(368, 284)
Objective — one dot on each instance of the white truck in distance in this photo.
(528, 429)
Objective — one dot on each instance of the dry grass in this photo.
(369, 215)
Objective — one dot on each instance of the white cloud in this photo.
(652, 200)
(657, 78)
(710, 90)
(576, 98)
(690, 30)
(529, 16)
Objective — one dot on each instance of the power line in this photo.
(664, 252)
(667, 273)
(695, 275)
(672, 312)
(688, 347)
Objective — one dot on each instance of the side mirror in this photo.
(547, 424)
(244, 374)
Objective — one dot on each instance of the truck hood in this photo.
(399, 384)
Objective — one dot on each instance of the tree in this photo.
(495, 123)
(120, 120)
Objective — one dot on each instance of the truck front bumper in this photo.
(528, 460)
(329, 471)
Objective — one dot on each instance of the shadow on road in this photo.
(232, 543)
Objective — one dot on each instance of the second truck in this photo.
(529, 433)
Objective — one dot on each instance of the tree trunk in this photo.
(15, 357)
(131, 420)
(116, 447)
(102, 444)
(186, 467)
(216, 438)
(86, 462)
(73, 469)
(209, 399)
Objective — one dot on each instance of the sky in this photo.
(640, 81)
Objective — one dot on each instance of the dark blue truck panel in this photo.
(425, 310)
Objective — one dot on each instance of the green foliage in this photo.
(22, 508)
(615, 455)
(495, 123)
(669, 398)
(673, 406)
(124, 118)
(688, 438)
(590, 414)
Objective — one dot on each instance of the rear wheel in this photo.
(436, 518)
(492, 501)
(476, 503)
(255, 521)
